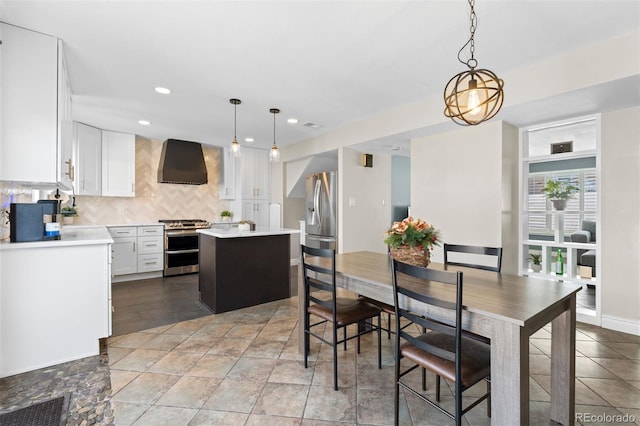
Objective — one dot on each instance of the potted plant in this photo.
(68, 213)
(559, 192)
(536, 261)
(411, 241)
(225, 215)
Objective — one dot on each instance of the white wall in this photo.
(362, 226)
(620, 220)
(458, 185)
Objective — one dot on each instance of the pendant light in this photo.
(235, 146)
(274, 155)
(474, 96)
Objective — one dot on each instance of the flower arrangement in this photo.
(414, 233)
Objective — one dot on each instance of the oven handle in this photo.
(181, 233)
(181, 251)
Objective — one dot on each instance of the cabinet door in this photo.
(124, 256)
(28, 113)
(66, 161)
(257, 211)
(255, 174)
(228, 175)
(261, 167)
(118, 164)
(88, 170)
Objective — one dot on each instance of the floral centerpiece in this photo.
(412, 240)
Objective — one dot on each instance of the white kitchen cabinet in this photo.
(88, 171)
(118, 164)
(255, 174)
(256, 211)
(137, 250)
(54, 295)
(227, 175)
(36, 136)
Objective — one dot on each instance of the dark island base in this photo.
(245, 271)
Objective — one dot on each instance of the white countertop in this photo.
(70, 235)
(235, 233)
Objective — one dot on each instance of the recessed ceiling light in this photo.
(292, 120)
(144, 122)
(162, 90)
(248, 139)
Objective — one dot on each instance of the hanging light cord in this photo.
(274, 128)
(235, 112)
(471, 63)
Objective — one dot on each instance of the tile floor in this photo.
(243, 368)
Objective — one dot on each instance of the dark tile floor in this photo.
(143, 304)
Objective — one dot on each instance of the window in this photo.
(583, 206)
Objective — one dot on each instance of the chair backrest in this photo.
(494, 254)
(319, 276)
(418, 288)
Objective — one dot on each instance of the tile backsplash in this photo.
(153, 200)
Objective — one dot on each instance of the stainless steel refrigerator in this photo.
(321, 206)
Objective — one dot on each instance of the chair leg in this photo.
(489, 398)
(335, 358)
(380, 343)
(344, 336)
(306, 340)
(388, 326)
(438, 388)
(396, 416)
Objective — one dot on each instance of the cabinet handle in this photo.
(134, 246)
(133, 188)
(70, 168)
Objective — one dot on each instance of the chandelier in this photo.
(476, 95)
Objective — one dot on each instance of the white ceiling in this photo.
(324, 62)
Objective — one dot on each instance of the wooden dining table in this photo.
(506, 308)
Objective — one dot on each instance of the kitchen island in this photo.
(55, 299)
(244, 268)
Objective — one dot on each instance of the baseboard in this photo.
(621, 324)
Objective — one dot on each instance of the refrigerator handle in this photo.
(315, 218)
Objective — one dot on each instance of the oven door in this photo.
(181, 252)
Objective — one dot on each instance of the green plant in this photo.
(557, 190)
(536, 258)
(226, 213)
(69, 211)
(414, 233)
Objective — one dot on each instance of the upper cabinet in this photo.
(88, 176)
(227, 175)
(118, 164)
(36, 137)
(255, 174)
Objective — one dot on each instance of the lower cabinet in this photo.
(55, 304)
(137, 250)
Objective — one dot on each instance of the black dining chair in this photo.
(493, 255)
(320, 300)
(444, 349)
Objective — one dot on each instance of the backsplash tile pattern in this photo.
(153, 200)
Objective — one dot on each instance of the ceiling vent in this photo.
(312, 125)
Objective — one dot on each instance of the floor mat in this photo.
(52, 412)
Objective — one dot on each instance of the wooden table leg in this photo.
(509, 375)
(563, 365)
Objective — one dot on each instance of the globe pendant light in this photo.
(235, 146)
(274, 155)
(476, 95)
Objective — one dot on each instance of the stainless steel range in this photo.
(181, 245)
